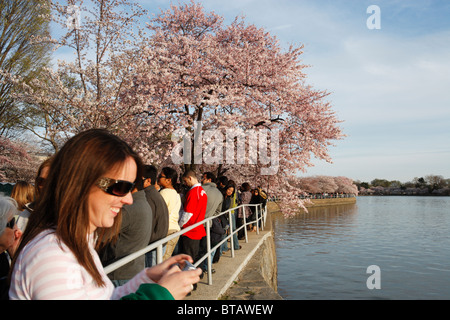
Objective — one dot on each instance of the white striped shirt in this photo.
(46, 269)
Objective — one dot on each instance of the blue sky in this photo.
(390, 86)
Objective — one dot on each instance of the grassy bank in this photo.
(330, 202)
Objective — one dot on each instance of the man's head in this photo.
(222, 181)
(189, 178)
(149, 175)
(208, 177)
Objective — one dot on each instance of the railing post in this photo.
(208, 250)
(245, 222)
(261, 210)
(257, 218)
(231, 233)
(265, 214)
(262, 216)
(159, 254)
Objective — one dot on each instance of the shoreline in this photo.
(404, 195)
(330, 202)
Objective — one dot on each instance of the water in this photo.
(325, 254)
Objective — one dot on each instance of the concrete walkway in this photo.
(228, 270)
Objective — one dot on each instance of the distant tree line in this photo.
(325, 186)
(428, 185)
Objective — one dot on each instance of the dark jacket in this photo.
(255, 200)
(135, 232)
(160, 214)
(217, 231)
(226, 203)
(4, 270)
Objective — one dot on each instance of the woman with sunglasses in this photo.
(91, 178)
(9, 238)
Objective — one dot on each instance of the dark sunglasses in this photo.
(119, 188)
(11, 223)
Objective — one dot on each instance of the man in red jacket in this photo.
(194, 212)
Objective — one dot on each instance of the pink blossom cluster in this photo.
(326, 184)
(185, 65)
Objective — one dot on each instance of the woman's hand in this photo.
(169, 275)
(156, 272)
(180, 283)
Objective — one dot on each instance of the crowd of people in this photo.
(95, 202)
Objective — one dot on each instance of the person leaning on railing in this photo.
(246, 196)
(166, 179)
(194, 210)
(90, 179)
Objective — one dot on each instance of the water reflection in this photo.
(324, 254)
(318, 224)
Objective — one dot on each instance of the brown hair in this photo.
(46, 163)
(63, 203)
(23, 193)
(246, 186)
(189, 173)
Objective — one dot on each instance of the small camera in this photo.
(188, 266)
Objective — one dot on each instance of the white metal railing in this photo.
(261, 214)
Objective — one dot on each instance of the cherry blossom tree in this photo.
(345, 185)
(325, 184)
(15, 162)
(308, 185)
(235, 76)
(188, 71)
